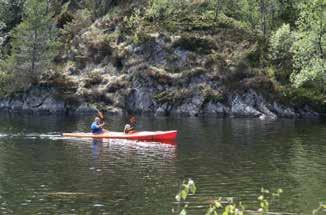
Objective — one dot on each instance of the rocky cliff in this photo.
(193, 73)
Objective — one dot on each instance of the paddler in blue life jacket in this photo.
(97, 125)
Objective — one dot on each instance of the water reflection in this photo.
(97, 147)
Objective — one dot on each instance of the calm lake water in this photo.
(43, 173)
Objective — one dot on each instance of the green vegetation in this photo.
(229, 206)
(271, 44)
(10, 13)
(33, 47)
(309, 49)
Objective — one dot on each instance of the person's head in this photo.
(97, 120)
(132, 119)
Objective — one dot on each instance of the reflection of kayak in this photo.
(142, 135)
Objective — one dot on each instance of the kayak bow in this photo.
(142, 135)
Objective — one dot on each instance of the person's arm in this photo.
(100, 115)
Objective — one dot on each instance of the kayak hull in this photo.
(141, 136)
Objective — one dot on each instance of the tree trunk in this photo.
(263, 16)
(34, 55)
(321, 33)
(218, 8)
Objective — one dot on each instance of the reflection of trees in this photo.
(307, 167)
(241, 155)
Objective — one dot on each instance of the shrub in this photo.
(281, 42)
(228, 205)
(203, 45)
(173, 96)
(94, 77)
(6, 86)
(81, 20)
(157, 9)
(211, 94)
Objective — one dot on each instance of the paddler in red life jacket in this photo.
(130, 127)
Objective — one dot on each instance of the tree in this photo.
(268, 10)
(288, 11)
(309, 48)
(99, 8)
(33, 46)
(11, 13)
(281, 42)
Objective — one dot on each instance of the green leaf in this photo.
(210, 210)
(186, 188)
(218, 204)
(260, 198)
(183, 212)
(193, 189)
(184, 194)
(178, 197)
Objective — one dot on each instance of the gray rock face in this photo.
(283, 111)
(162, 110)
(190, 107)
(215, 108)
(140, 100)
(35, 100)
(86, 108)
(307, 112)
(243, 108)
(51, 105)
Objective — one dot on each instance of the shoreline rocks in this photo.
(247, 105)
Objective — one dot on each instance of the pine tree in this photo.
(33, 45)
(10, 13)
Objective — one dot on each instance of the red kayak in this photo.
(141, 136)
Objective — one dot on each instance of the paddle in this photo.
(133, 122)
(101, 116)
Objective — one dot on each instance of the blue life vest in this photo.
(95, 128)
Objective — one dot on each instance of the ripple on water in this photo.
(224, 157)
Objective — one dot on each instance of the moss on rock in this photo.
(175, 96)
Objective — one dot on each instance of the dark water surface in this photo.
(43, 173)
